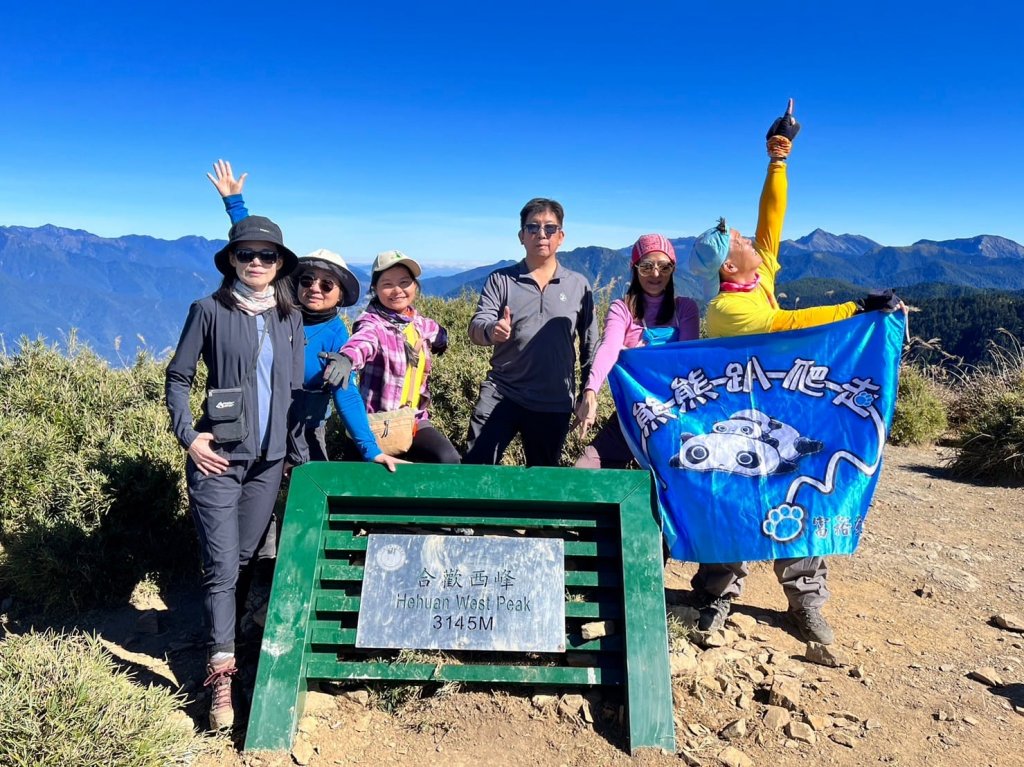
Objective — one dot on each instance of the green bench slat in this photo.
(465, 520)
(320, 667)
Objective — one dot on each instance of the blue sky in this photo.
(425, 127)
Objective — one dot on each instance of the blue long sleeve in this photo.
(235, 206)
(352, 410)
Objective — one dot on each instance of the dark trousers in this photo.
(609, 450)
(803, 580)
(431, 446)
(495, 422)
(231, 512)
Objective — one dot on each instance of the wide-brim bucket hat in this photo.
(255, 229)
(335, 264)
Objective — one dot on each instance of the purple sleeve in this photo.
(687, 319)
(615, 326)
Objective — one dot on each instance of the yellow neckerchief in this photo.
(413, 383)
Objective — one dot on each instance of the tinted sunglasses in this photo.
(647, 268)
(266, 257)
(549, 229)
(308, 281)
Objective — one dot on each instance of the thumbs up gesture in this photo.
(502, 328)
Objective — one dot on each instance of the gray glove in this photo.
(338, 370)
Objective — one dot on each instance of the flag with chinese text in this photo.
(765, 446)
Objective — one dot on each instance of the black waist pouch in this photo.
(226, 411)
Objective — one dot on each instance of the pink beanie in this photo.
(650, 243)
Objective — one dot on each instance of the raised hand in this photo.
(502, 328)
(780, 136)
(786, 125)
(225, 180)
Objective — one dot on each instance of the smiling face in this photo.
(255, 274)
(396, 288)
(540, 245)
(313, 290)
(654, 272)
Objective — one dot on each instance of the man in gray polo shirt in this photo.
(531, 312)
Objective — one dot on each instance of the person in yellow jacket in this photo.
(739, 283)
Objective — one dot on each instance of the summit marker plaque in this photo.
(441, 592)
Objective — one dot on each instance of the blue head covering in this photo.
(708, 254)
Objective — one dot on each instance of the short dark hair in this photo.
(539, 205)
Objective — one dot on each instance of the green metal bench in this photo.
(613, 571)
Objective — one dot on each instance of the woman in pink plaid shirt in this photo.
(379, 347)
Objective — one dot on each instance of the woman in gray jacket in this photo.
(249, 335)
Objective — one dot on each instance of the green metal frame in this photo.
(613, 564)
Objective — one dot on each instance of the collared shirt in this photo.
(536, 367)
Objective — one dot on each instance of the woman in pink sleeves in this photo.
(650, 314)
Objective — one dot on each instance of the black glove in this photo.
(784, 126)
(338, 370)
(440, 345)
(878, 300)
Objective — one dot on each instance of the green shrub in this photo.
(63, 701)
(990, 415)
(92, 494)
(920, 416)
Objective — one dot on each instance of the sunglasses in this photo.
(647, 268)
(266, 257)
(549, 229)
(326, 286)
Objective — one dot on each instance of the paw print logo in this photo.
(864, 399)
(562, 297)
(783, 523)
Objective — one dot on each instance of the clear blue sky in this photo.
(426, 126)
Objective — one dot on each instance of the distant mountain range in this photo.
(138, 289)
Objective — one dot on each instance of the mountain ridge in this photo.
(53, 278)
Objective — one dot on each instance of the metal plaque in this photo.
(442, 592)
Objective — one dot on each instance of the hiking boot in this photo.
(222, 712)
(812, 625)
(713, 614)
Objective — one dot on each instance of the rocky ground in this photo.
(927, 669)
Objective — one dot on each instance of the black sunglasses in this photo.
(266, 257)
(308, 281)
(549, 229)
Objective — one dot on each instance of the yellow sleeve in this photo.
(771, 212)
(812, 316)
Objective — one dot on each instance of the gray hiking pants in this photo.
(231, 512)
(803, 580)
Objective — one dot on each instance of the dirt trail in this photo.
(912, 612)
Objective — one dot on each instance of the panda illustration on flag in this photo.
(749, 443)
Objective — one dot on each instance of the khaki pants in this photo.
(803, 580)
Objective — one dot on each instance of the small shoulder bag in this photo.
(226, 407)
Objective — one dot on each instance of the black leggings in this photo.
(431, 446)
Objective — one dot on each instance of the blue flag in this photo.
(765, 446)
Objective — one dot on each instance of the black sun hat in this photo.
(255, 229)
